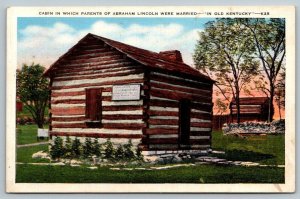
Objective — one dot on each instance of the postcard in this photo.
(150, 99)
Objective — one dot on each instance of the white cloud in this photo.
(45, 44)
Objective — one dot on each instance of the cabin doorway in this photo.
(184, 122)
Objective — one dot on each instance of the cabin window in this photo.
(184, 122)
(93, 107)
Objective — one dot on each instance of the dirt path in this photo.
(33, 144)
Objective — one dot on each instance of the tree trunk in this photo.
(238, 113)
(40, 120)
(279, 108)
(270, 112)
(40, 123)
(237, 101)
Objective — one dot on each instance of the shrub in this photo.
(119, 154)
(138, 154)
(109, 149)
(128, 152)
(87, 148)
(68, 148)
(96, 148)
(76, 148)
(57, 149)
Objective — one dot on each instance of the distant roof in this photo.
(145, 57)
(252, 100)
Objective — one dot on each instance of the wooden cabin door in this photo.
(184, 121)
(93, 107)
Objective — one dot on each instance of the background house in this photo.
(106, 89)
(251, 109)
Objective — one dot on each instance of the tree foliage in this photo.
(225, 52)
(32, 88)
(269, 39)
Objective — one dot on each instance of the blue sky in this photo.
(43, 39)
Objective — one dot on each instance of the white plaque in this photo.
(43, 133)
(126, 92)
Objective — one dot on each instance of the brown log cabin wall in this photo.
(96, 65)
(166, 91)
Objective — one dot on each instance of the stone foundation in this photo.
(174, 156)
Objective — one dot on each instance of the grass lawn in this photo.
(27, 134)
(193, 174)
(24, 154)
(262, 149)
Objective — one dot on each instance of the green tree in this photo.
(128, 150)
(269, 40)
(33, 90)
(57, 149)
(119, 154)
(109, 150)
(96, 148)
(87, 147)
(225, 52)
(68, 148)
(76, 148)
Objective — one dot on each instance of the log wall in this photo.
(165, 93)
(96, 66)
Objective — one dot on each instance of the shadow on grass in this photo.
(242, 155)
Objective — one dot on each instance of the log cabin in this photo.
(251, 109)
(104, 89)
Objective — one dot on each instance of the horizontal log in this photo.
(104, 75)
(200, 133)
(68, 119)
(86, 51)
(85, 56)
(68, 111)
(69, 125)
(122, 108)
(158, 131)
(68, 101)
(121, 117)
(96, 135)
(163, 113)
(174, 81)
(164, 147)
(196, 91)
(92, 71)
(163, 141)
(60, 94)
(204, 116)
(201, 124)
(202, 107)
(95, 67)
(163, 103)
(178, 96)
(137, 81)
(96, 59)
(130, 126)
(190, 77)
(200, 142)
(163, 122)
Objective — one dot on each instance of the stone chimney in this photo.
(173, 55)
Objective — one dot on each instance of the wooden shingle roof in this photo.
(145, 57)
